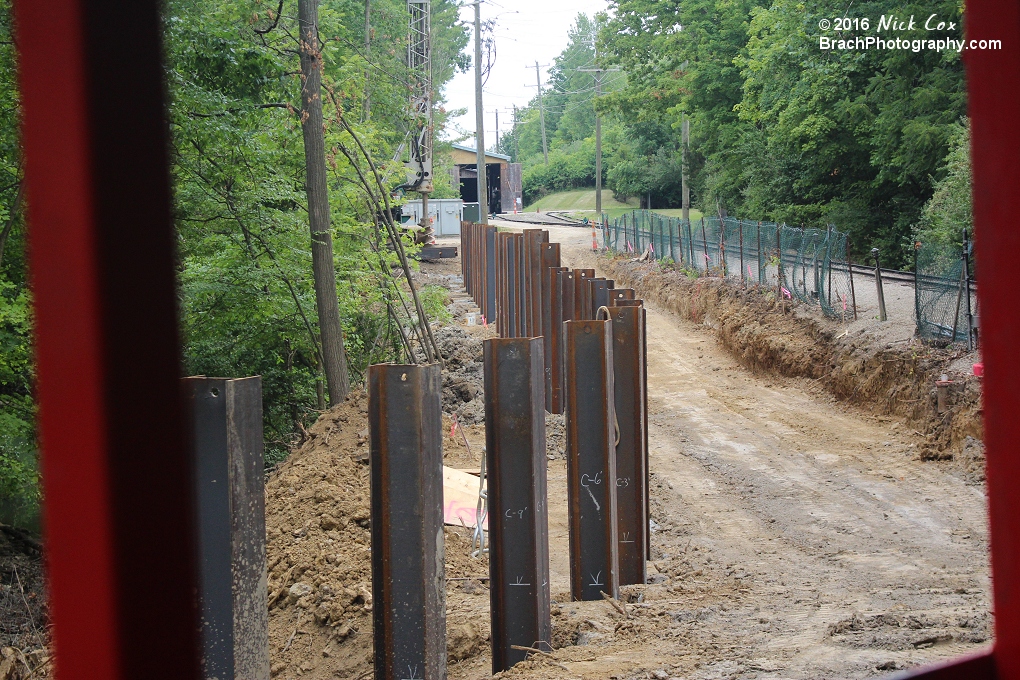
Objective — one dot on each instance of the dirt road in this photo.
(813, 544)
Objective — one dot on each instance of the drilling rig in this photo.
(419, 62)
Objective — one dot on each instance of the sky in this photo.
(526, 31)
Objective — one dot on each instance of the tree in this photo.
(334, 360)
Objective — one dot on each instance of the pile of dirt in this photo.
(23, 616)
(463, 379)
(770, 335)
(319, 556)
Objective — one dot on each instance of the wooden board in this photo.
(460, 498)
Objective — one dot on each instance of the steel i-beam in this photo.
(538, 237)
(620, 294)
(490, 273)
(598, 293)
(512, 287)
(517, 490)
(591, 458)
(550, 264)
(631, 402)
(408, 573)
(581, 304)
(226, 425)
(555, 339)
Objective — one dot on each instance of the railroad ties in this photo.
(568, 342)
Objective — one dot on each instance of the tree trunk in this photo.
(334, 361)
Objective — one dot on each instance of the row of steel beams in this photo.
(594, 358)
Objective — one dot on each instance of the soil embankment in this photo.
(770, 336)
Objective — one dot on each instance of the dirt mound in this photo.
(319, 559)
(769, 335)
(463, 379)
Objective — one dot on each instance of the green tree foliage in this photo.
(569, 102)
(18, 466)
(237, 164)
(949, 211)
(248, 305)
(781, 129)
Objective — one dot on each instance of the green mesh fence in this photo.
(944, 300)
(807, 264)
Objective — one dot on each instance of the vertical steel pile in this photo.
(226, 426)
(631, 399)
(594, 371)
(408, 574)
(518, 518)
(582, 294)
(591, 458)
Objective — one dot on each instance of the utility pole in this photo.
(497, 132)
(517, 139)
(483, 187)
(598, 73)
(541, 114)
(685, 140)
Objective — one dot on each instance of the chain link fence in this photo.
(944, 293)
(808, 264)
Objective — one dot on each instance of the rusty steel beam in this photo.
(226, 431)
(581, 304)
(517, 490)
(591, 458)
(629, 303)
(620, 294)
(550, 264)
(538, 238)
(408, 574)
(497, 315)
(512, 287)
(598, 293)
(522, 289)
(631, 402)
(555, 339)
(567, 299)
(490, 273)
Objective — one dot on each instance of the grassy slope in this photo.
(583, 201)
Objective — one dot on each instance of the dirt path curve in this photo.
(851, 557)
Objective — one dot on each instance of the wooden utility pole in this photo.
(334, 360)
(483, 185)
(541, 114)
(597, 73)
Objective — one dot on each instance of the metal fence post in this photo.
(516, 474)
(591, 459)
(966, 290)
(740, 226)
(704, 239)
(408, 572)
(878, 283)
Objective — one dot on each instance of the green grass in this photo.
(581, 203)
(580, 199)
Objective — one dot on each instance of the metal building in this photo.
(504, 179)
